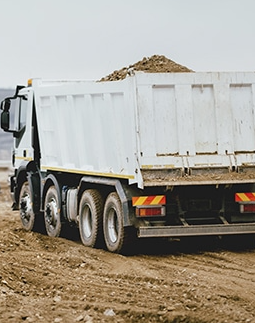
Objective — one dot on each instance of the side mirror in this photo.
(5, 120)
(5, 105)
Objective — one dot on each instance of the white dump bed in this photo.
(153, 129)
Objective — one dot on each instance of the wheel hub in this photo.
(113, 226)
(25, 207)
(87, 223)
(52, 213)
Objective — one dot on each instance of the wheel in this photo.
(52, 213)
(117, 238)
(30, 221)
(90, 218)
(27, 214)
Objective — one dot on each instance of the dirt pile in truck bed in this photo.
(153, 64)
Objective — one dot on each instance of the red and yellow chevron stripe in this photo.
(245, 197)
(149, 200)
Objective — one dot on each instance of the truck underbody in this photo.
(81, 201)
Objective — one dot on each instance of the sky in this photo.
(89, 39)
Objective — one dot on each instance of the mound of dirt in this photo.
(153, 64)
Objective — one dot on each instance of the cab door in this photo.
(23, 151)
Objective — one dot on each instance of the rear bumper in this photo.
(196, 230)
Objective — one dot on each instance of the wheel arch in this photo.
(85, 184)
(51, 180)
(28, 172)
(21, 177)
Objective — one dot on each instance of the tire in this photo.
(118, 239)
(52, 213)
(27, 215)
(30, 220)
(90, 218)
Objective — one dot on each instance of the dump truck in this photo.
(156, 155)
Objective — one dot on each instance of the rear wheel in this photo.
(90, 218)
(117, 237)
(52, 212)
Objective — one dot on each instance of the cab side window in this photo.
(22, 112)
(21, 122)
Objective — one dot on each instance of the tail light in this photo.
(246, 201)
(144, 211)
(247, 208)
(149, 206)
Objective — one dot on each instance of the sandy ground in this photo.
(58, 280)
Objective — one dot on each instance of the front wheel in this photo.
(30, 220)
(27, 215)
(52, 212)
(117, 237)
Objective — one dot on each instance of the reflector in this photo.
(149, 200)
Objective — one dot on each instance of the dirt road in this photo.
(58, 280)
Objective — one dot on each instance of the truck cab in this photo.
(16, 118)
